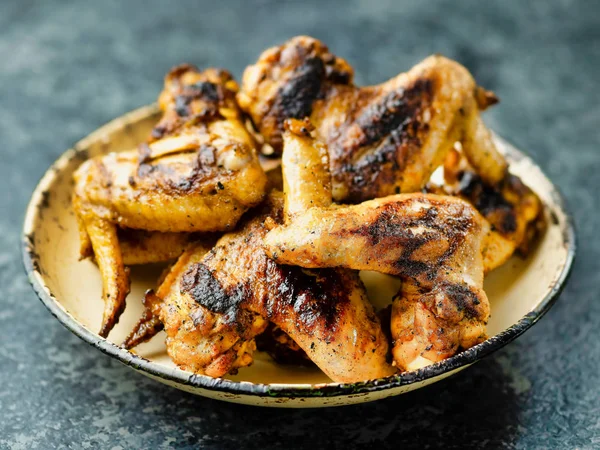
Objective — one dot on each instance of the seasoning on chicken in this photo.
(434, 243)
(221, 300)
(199, 172)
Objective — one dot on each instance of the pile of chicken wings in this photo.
(270, 198)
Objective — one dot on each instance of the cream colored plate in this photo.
(520, 292)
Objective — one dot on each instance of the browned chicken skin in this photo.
(201, 175)
(382, 139)
(199, 172)
(326, 312)
(435, 243)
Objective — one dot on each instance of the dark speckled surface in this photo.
(68, 67)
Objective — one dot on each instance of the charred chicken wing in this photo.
(237, 290)
(434, 243)
(382, 139)
(198, 172)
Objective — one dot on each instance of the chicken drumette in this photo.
(434, 243)
(213, 305)
(199, 172)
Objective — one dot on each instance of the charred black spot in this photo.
(489, 201)
(182, 103)
(337, 76)
(386, 230)
(392, 229)
(314, 296)
(396, 110)
(159, 131)
(464, 298)
(144, 153)
(207, 291)
(201, 171)
(380, 119)
(204, 89)
(295, 98)
(144, 156)
(508, 224)
(206, 114)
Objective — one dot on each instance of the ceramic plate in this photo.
(520, 292)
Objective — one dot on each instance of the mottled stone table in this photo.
(68, 67)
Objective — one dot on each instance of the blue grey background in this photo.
(67, 67)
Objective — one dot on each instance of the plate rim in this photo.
(275, 390)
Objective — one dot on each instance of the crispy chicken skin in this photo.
(198, 172)
(435, 243)
(326, 312)
(383, 139)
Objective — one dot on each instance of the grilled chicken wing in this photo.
(198, 172)
(325, 312)
(382, 139)
(435, 243)
(514, 212)
(201, 175)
